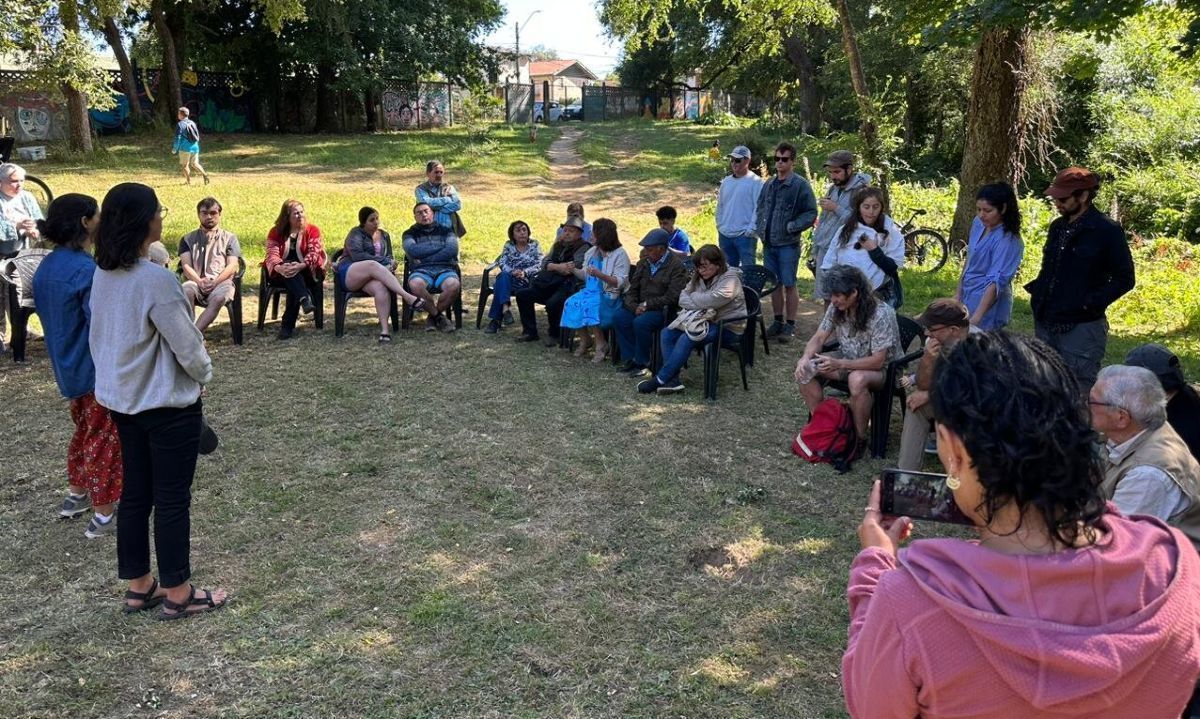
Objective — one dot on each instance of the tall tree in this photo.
(102, 16)
(869, 127)
(79, 136)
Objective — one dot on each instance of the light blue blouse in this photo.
(993, 258)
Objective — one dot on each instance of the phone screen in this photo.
(919, 495)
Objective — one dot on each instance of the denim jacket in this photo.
(785, 209)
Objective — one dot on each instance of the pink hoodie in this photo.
(958, 630)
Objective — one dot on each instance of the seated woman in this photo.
(872, 242)
(1061, 607)
(868, 338)
(519, 262)
(994, 253)
(296, 261)
(367, 265)
(714, 293)
(605, 273)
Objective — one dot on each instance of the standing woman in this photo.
(150, 366)
(62, 287)
(605, 273)
(994, 253)
(519, 262)
(295, 260)
(872, 242)
(367, 265)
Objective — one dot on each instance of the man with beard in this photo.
(208, 257)
(835, 210)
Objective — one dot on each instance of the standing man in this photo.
(786, 207)
(432, 253)
(187, 146)
(208, 257)
(1086, 266)
(844, 181)
(737, 200)
(441, 197)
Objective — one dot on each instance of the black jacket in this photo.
(1086, 266)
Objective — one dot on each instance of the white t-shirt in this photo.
(840, 254)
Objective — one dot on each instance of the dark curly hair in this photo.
(843, 280)
(1021, 417)
(63, 224)
(125, 217)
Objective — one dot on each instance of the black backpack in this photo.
(190, 132)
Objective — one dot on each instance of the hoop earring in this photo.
(953, 482)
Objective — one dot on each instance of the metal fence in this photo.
(518, 103)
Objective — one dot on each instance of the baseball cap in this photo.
(657, 237)
(839, 158)
(1159, 360)
(741, 152)
(573, 221)
(1071, 180)
(944, 312)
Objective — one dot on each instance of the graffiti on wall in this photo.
(399, 111)
(34, 116)
(435, 106)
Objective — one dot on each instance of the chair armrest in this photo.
(830, 346)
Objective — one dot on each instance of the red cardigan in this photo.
(310, 249)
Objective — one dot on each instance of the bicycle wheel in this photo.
(40, 191)
(925, 250)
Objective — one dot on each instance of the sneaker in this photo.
(74, 506)
(786, 334)
(674, 387)
(445, 325)
(508, 318)
(431, 323)
(641, 372)
(931, 446)
(528, 338)
(286, 334)
(306, 304)
(648, 386)
(775, 328)
(96, 528)
(627, 367)
(492, 328)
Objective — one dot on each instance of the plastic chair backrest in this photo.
(760, 278)
(908, 330)
(753, 303)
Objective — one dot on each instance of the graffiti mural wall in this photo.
(34, 116)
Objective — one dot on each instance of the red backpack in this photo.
(829, 436)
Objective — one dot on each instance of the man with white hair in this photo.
(1147, 467)
(187, 146)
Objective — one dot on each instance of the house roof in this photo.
(557, 67)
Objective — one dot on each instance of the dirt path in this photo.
(569, 174)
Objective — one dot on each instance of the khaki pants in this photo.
(913, 437)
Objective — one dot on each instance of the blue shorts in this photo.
(433, 282)
(784, 261)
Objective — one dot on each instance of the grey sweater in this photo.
(147, 350)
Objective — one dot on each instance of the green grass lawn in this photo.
(453, 525)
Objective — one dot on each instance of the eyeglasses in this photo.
(162, 211)
(783, 159)
(1097, 403)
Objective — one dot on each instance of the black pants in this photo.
(158, 451)
(300, 284)
(554, 297)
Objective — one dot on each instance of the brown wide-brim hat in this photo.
(944, 312)
(1072, 180)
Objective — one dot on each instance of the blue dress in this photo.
(992, 259)
(583, 308)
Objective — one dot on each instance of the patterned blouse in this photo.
(513, 259)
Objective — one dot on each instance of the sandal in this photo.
(181, 609)
(600, 355)
(419, 305)
(385, 339)
(147, 598)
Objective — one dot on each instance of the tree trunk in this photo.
(113, 34)
(79, 137)
(326, 99)
(796, 48)
(170, 94)
(872, 151)
(989, 154)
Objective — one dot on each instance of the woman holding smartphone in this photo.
(1062, 606)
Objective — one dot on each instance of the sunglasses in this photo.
(736, 160)
(783, 159)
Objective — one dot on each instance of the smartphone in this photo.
(919, 495)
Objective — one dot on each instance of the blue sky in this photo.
(570, 27)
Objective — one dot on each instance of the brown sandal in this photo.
(147, 598)
(181, 609)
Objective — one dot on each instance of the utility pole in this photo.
(517, 30)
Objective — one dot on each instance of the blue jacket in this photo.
(443, 199)
(431, 248)
(785, 209)
(182, 144)
(62, 291)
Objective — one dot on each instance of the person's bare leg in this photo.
(861, 384)
(813, 393)
(216, 302)
(420, 290)
(360, 273)
(383, 304)
(450, 289)
(777, 303)
(600, 341)
(792, 298)
(187, 172)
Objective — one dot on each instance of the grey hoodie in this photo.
(829, 222)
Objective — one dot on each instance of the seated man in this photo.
(432, 253)
(208, 257)
(868, 338)
(1183, 402)
(1147, 467)
(654, 287)
(560, 275)
(947, 322)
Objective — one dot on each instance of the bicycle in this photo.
(33, 185)
(924, 249)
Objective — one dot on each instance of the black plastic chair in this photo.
(269, 293)
(485, 291)
(234, 308)
(18, 316)
(764, 282)
(406, 312)
(744, 347)
(881, 408)
(342, 297)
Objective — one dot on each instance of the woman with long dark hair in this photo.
(150, 368)
(367, 265)
(1061, 607)
(296, 261)
(994, 253)
(518, 263)
(605, 275)
(868, 338)
(61, 288)
(872, 242)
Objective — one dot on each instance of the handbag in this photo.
(608, 309)
(459, 228)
